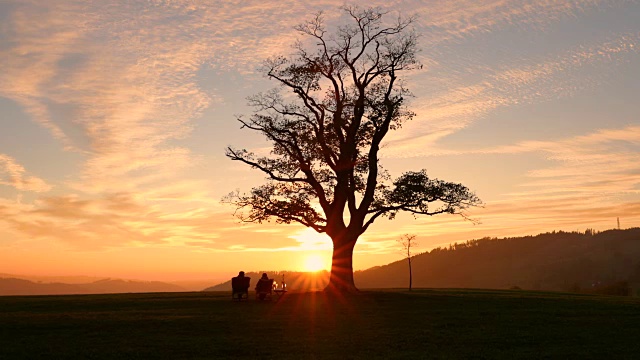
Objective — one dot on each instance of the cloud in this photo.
(14, 174)
(456, 107)
(115, 220)
(35, 38)
(446, 21)
(588, 181)
(602, 163)
(119, 220)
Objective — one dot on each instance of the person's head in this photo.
(241, 274)
(264, 276)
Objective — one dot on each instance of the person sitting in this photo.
(264, 287)
(240, 286)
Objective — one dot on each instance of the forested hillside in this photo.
(565, 261)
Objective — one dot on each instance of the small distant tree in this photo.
(343, 93)
(408, 241)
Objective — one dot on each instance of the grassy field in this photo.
(375, 325)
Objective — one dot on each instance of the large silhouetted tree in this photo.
(340, 94)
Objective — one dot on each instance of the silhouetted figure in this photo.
(264, 287)
(240, 287)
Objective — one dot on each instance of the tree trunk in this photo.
(341, 279)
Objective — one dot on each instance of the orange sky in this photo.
(114, 116)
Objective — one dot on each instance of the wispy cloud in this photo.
(36, 38)
(601, 164)
(587, 181)
(15, 175)
(112, 221)
(446, 21)
(458, 106)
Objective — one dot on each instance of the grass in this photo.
(390, 324)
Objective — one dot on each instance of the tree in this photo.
(408, 241)
(342, 95)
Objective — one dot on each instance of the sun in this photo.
(313, 263)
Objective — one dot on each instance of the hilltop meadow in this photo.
(389, 324)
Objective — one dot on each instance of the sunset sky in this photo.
(114, 117)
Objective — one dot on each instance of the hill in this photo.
(54, 279)
(13, 286)
(565, 261)
(184, 285)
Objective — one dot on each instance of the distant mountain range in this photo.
(563, 261)
(14, 286)
(54, 279)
